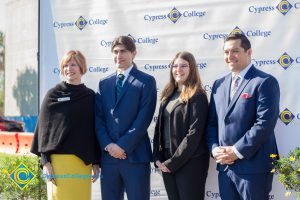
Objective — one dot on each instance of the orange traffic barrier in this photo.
(14, 142)
(25, 140)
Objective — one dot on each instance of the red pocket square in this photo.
(245, 96)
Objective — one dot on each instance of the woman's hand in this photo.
(162, 167)
(48, 172)
(95, 172)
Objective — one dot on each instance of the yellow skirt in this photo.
(72, 177)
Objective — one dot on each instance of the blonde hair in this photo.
(79, 59)
(192, 84)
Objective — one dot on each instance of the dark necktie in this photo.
(119, 85)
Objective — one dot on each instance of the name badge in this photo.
(64, 99)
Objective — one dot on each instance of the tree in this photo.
(2, 51)
(2, 60)
(25, 91)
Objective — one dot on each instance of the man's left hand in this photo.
(228, 157)
(117, 152)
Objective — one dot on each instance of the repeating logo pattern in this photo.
(22, 176)
(285, 61)
(286, 116)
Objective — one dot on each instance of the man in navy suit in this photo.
(125, 104)
(243, 112)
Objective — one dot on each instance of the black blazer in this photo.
(187, 131)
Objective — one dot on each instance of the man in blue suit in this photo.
(243, 112)
(125, 104)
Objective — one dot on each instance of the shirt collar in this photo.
(126, 72)
(243, 72)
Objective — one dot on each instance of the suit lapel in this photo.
(177, 103)
(227, 89)
(113, 88)
(241, 88)
(127, 83)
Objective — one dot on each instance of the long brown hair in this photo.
(192, 84)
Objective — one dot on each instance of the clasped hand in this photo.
(162, 167)
(115, 151)
(224, 155)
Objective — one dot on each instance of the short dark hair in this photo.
(126, 41)
(245, 43)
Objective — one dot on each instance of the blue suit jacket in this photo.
(247, 122)
(125, 121)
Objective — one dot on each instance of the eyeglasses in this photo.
(181, 66)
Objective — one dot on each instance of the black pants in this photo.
(188, 183)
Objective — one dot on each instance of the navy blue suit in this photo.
(247, 122)
(125, 122)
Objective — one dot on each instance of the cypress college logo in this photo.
(248, 33)
(22, 176)
(80, 23)
(174, 15)
(285, 61)
(283, 7)
(286, 116)
(236, 30)
(147, 40)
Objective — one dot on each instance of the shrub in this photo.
(36, 189)
(288, 170)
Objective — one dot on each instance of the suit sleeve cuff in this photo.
(213, 152)
(237, 153)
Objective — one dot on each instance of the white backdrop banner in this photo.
(160, 29)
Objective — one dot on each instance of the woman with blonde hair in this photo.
(179, 146)
(65, 135)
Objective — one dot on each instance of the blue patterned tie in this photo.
(234, 85)
(119, 85)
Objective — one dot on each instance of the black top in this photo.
(66, 124)
(187, 132)
(166, 118)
